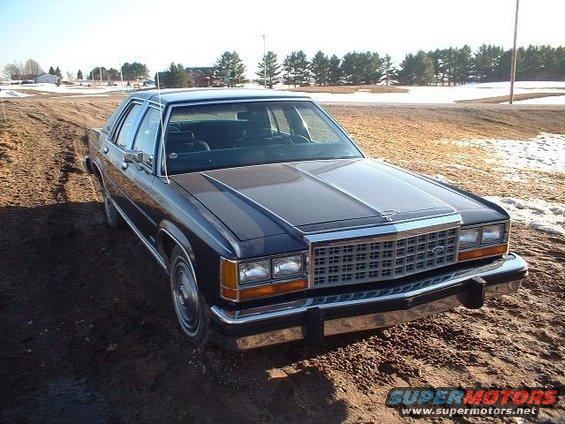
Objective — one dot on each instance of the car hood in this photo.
(316, 196)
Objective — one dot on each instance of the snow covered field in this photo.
(535, 213)
(545, 152)
(415, 95)
(62, 89)
(452, 94)
(448, 94)
(11, 94)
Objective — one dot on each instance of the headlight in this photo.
(469, 236)
(288, 266)
(492, 233)
(254, 271)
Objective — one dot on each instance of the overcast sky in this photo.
(83, 34)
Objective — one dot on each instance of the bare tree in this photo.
(70, 76)
(32, 67)
(13, 69)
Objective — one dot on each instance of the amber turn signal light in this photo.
(483, 252)
(228, 273)
(265, 290)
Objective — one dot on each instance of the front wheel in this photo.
(190, 307)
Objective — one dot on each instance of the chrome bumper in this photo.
(316, 317)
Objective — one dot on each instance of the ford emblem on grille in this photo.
(437, 250)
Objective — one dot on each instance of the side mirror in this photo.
(133, 156)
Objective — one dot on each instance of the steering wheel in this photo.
(298, 139)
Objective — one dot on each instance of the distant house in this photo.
(201, 76)
(47, 78)
(23, 77)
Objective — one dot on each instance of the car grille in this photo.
(377, 259)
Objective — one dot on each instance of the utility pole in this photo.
(100, 69)
(514, 56)
(264, 62)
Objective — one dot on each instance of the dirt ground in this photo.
(88, 331)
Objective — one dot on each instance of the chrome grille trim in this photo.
(381, 258)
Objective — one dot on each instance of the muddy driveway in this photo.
(89, 334)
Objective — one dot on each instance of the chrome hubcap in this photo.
(185, 298)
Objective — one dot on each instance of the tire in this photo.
(190, 307)
(113, 217)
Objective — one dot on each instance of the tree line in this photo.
(130, 71)
(450, 66)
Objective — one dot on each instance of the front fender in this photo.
(170, 229)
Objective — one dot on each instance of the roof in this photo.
(187, 95)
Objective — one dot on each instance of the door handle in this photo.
(124, 165)
(105, 149)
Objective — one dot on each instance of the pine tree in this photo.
(296, 70)
(463, 65)
(387, 69)
(52, 71)
(320, 68)
(486, 62)
(269, 68)
(174, 77)
(79, 75)
(58, 73)
(334, 70)
(416, 69)
(229, 69)
(361, 68)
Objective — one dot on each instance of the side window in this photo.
(146, 135)
(121, 137)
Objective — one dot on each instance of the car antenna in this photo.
(162, 132)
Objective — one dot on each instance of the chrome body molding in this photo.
(397, 295)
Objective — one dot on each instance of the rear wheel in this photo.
(190, 306)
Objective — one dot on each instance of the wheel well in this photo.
(97, 174)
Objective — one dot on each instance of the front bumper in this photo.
(313, 318)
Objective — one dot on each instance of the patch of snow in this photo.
(535, 213)
(549, 100)
(69, 89)
(545, 152)
(528, 85)
(12, 93)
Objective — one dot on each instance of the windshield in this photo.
(239, 134)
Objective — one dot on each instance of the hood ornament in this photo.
(389, 214)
